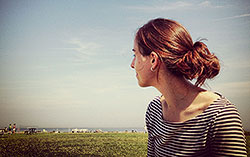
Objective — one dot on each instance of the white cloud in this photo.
(205, 4)
(233, 17)
(80, 50)
(161, 7)
(208, 4)
(85, 48)
(174, 6)
(81, 47)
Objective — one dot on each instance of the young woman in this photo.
(186, 120)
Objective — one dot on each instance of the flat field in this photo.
(81, 144)
(68, 144)
(248, 145)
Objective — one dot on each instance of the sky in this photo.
(67, 63)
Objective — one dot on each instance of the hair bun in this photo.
(207, 63)
(198, 63)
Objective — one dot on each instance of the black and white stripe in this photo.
(215, 132)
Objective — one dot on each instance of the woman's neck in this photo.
(178, 93)
(181, 100)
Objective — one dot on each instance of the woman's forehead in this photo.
(135, 44)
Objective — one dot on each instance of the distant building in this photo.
(79, 130)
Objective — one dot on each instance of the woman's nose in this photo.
(132, 65)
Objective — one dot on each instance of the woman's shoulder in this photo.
(155, 103)
(222, 102)
(223, 106)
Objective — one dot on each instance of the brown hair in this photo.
(172, 42)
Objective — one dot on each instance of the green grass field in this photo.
(83, 144)
(67, 144)
(248, 145)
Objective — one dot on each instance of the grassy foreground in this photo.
(83, 144)
(67, 144)
(248, 145)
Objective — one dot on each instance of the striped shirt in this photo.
(217, 131)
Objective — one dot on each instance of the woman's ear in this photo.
(154, 60)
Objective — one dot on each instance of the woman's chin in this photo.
(141, 84)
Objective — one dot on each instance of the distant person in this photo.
(186, 120)
(5, 130)
(14, 129)
(10, 127)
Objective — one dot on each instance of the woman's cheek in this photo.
(138, 65)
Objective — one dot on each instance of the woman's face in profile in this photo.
(141, 65)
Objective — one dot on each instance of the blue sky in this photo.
(66, 63)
